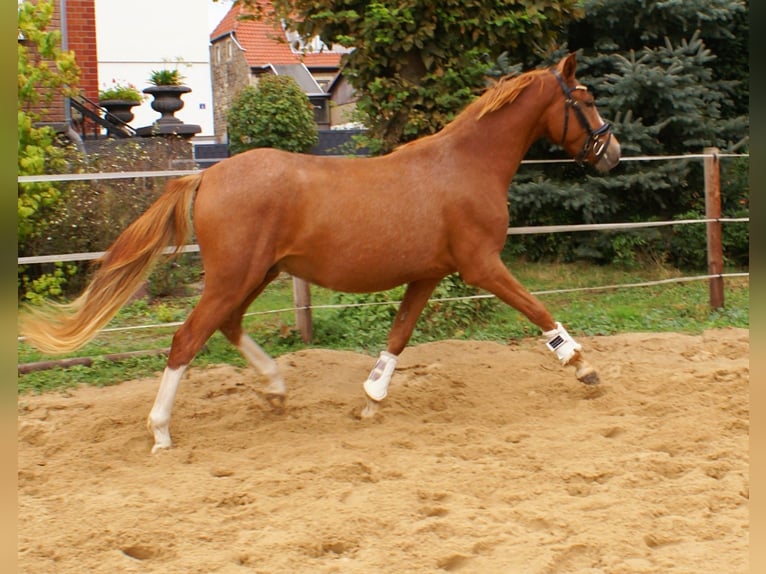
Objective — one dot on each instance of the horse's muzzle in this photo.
(609, 157)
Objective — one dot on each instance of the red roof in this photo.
(266, 44)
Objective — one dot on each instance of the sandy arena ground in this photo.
(486, 458)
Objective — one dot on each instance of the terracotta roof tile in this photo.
(265, 44)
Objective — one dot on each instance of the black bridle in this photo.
(598, 139)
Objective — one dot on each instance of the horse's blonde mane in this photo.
(503, 92)
(506, 91)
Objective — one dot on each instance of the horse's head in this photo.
(574, 122)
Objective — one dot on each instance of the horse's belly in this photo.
(357, 273)
(365, 243)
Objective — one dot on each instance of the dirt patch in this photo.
(486, 458)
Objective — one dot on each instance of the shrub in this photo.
(91, 214)
(366, 326)
(276, 114)
(688, 243)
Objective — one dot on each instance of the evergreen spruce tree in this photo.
(665, 92)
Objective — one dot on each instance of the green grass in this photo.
(680, 307)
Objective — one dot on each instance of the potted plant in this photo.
(166, 77)
(166, 88)
(118, 98)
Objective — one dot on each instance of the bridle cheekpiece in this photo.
(598, 139)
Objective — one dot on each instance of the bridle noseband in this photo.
(595, 140)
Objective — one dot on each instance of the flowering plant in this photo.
(120, 91)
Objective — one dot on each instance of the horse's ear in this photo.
(567, 66)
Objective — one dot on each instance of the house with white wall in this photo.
(134, 38)
(242, 50)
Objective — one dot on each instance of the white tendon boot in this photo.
(376, 385)
(561, 343)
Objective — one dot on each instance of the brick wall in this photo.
(81, 38)
(81, 25)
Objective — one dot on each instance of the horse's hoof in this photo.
(160, 447)
(277, 401)
(161, 434)
(369, 410)
(589, 377)
(161, 441)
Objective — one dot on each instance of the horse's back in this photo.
(317, 191)
(352, 224)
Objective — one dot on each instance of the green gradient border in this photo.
(757, 293)
(8, 172)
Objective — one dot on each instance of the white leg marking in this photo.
(257, 357)
(376, 385)
(159, 417)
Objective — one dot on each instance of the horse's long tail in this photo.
(58, 328)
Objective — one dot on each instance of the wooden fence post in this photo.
(714, 239)
(302, 303)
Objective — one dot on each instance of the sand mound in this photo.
(486, 458)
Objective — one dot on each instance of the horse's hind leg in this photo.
(415, 299)
(187, 341)
(495, 278)
(255, 355)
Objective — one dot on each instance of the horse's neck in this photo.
(499, 140)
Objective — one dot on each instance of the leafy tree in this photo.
(415, 64)
(91, 214)
(44, 70)
(276, 114)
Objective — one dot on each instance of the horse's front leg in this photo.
(415, 299)
(569, 352)
(493, 276)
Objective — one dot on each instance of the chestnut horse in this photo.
(428, 209)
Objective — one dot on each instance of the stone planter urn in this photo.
(167, 101)
(121, 109)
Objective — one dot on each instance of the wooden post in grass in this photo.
(302, 303)
(714, 239)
